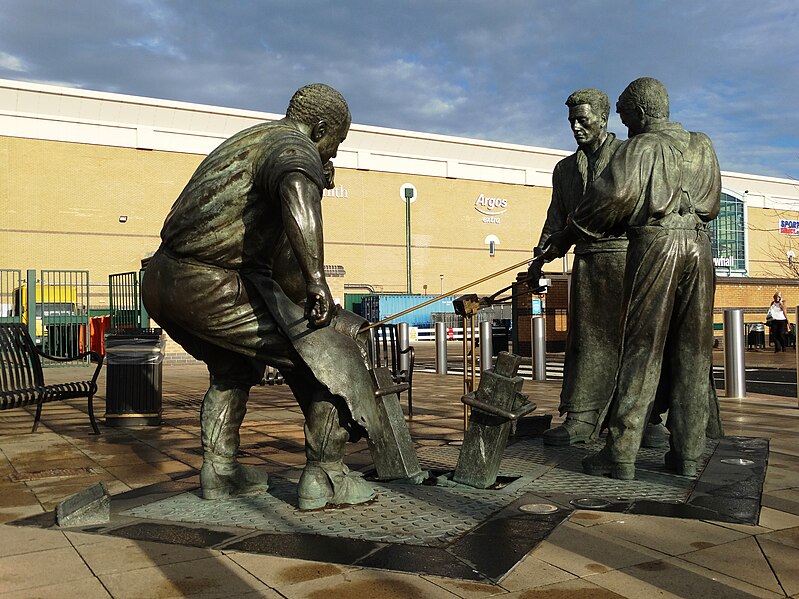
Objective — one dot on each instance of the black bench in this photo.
(384, 352)
(22, 378)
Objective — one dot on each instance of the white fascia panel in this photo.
(406, 164)
(763, 192)
(487, 172)
(145, 138)
(174, 141)
(538, 178)
(8, 98)
(54, 130)
(782, 202)
(346, 159)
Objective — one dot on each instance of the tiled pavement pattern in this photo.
(415, 515)
(590, 554)
(424, 515)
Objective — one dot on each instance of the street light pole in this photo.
(408, 197)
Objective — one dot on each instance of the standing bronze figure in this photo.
(239, 282)
(663, 187)
(595, 293)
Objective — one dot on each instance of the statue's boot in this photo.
(601, 464)
(576, 428)
(221, 415)
(326, 480)
(674, 462)
(655, 436)
(331, 483)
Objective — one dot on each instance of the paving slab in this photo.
(453, 531)
(474, 543)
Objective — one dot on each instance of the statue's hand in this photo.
(558, 244)
(534, 273)
(319, 305)
(330, 174)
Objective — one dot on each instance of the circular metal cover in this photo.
(590, 503)
(737, 462)
(539, 508)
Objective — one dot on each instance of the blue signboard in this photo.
(536, 308)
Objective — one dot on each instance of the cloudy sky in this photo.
(492, 69)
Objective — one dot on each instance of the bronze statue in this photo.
(595, 293)
(663, 187)
(239, 282)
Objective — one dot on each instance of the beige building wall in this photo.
(366, 231)
(63, 202)
(769, 248)
(73, 162)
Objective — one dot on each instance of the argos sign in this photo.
(491, 207)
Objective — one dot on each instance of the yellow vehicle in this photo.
(52, 301)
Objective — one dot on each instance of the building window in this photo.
(728, 234)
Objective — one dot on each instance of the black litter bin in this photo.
(499, 338)
(133, 359)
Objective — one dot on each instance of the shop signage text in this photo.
(789, 227)
(339, 191)
(725, 261)
(491, 208)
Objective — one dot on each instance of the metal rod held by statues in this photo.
(452, 292)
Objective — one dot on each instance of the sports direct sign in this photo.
(789, 227)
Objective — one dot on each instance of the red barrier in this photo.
(97, 328)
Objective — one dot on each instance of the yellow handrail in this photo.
(438, 297)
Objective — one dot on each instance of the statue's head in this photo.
(326, 114)
(642, 102)
(588, 116)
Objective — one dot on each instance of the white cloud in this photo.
(156, 45)
(12, 63)
(437, 107)
(499, 71)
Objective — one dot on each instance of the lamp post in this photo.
(409, 194)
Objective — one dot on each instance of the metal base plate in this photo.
(453, 531)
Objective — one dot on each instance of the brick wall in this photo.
(554, 304)
(175, 354)
(755, 295)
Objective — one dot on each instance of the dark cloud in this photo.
(498, 71)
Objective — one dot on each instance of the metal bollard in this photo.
(403, 343)
(539, 341)
(734, 368)
(441, 348)
(486, 346)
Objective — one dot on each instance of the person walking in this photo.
(777, 321)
